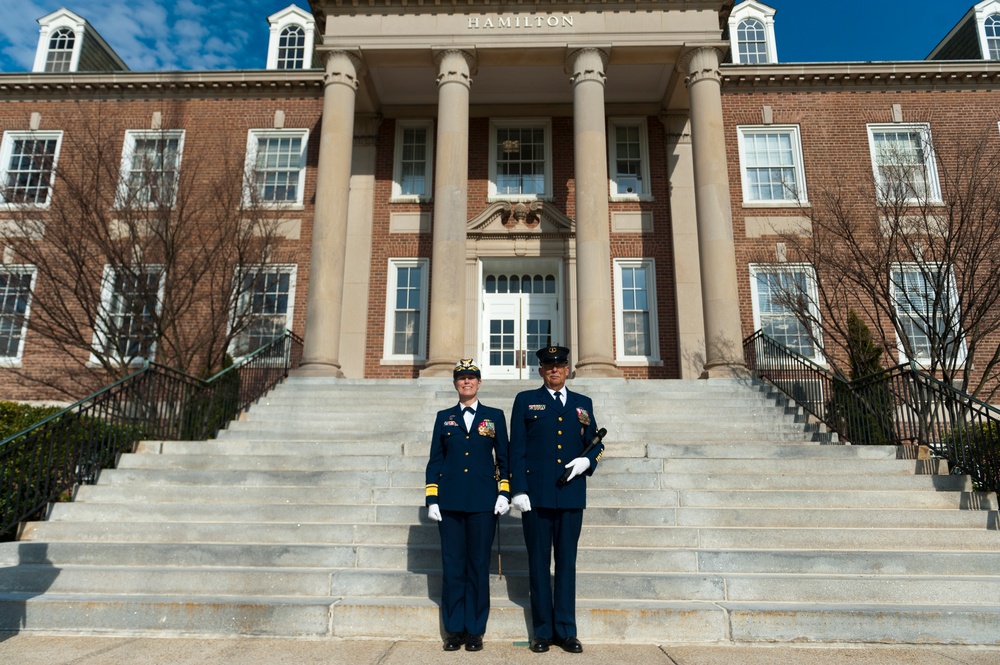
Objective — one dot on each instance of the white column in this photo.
(446, 339)
(595, 344)
(324, 304)
(716, 248)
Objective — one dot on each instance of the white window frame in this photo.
(289, 269)
(985, 10)
(397, 162)
(923, 130)
(544, 124)
(649, 266)
(644, 193)
(6, 150)
(751, 9)
(809, 272)
(285, 18)
(912, 267)
(20, 269)
(801, 196)
(389, 355)
(126, 195)
(254, 137)
(100, 340)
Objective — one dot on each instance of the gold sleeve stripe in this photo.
(599, 455)
(504, 485)
(432, 490)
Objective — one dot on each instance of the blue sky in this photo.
(180, 34)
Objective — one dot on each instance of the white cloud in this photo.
(151, 35)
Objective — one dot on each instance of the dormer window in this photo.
(991, 26)
(60, 55)
(292, 48)
(68, 43)
(293, 36)
(751, 34)
(751, 42)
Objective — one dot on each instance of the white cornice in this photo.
(194, 84)
(921, 74)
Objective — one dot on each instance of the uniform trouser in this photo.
(465, 561)
(553, 612)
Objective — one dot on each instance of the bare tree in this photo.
(916, 250)
(147, 252)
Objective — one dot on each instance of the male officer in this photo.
(549, 429)
(466, 486)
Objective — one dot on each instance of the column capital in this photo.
(587, 64)
(677, 126)
(701, 62)
(343, 67)
(455, 65)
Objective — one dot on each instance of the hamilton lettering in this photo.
(519, 22)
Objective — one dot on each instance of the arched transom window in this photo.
(752, 42)
(292, 48)
(60, 55)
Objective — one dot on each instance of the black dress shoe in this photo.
(474, 643)
(454, 641)
(570, 644)
(539, 644)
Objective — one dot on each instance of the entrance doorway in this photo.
(520, 315)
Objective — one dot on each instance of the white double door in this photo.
(514, 326)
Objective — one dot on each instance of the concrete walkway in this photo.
(24, 649)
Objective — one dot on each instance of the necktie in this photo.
(469, 409)
(469, 416)
(559, 398)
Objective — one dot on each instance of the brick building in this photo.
(476, 180)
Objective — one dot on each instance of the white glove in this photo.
(521, 502)
(434, 512)
(503, 505)
(578, 466)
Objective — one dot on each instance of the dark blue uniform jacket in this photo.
(462, 471)
(544, 437)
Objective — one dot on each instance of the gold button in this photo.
(559, 432)
(466, 470)
(466, 436)
(560, 418)
(466, 454)
(559, 447)
(559, 461)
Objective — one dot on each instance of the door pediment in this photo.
(520, 219)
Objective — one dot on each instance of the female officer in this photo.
(467, 484)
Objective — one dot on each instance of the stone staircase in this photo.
(717, 514)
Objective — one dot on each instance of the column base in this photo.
(317, 369)
(597, 368)
(725, 370)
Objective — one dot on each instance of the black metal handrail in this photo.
(44, 462)
(900, 405)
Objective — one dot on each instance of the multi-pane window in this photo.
(60, 54)
(771, 164)
(752, 40)
(903, 161)
(635, 309)
(784, 306)
(927, 308)
(277, 161)
(629, 166)
(15, 298)
(292, 48)
(151, 161)
(406, 310)
(126, 329)
(413, 164)
(992, 27)
(520, 160)
(28, 160)
(264, 307)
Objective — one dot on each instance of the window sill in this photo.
(776, 204)
(410, 199)
(518, 198)
(10, 363)
(625, 198)
(402, 362)
(639, 362)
